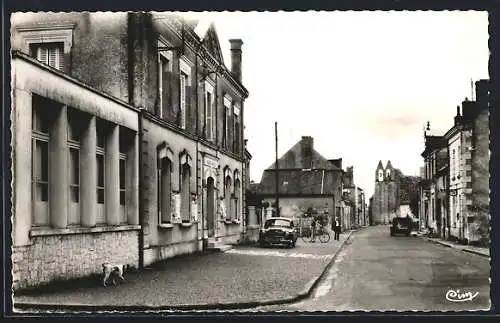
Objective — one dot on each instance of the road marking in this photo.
(278, 254)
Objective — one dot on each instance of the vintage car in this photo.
(401, 225)
(278, 231)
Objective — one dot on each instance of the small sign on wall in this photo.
(176, 207)
(194, 210)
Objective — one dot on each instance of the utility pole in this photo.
(276, 169)
(471, 90)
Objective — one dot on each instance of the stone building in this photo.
(434, 185)
(164, 119)
(393, 194)
(386, 195)
(306, 181)
(356, 196)
(468, 153)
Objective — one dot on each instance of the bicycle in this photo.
(321, 234)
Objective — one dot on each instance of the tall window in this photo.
(164, 81)
(165, 191)
(227, 197)
(209, 114)
(185, 193)
(123, 178)
(237, 129)
(237, 199)
(51, 54)
(227, 122)
(453, 164)
(41, 123)
(100, 171)
(184, 91)
(183, 99)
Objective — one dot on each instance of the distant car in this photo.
(401, 225)
(278, 231)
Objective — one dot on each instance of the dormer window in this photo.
(49, 43)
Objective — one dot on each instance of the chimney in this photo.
(336, 162)
(458, 117)
(482, 92)
(307, 147)
(236, 58)
(468, 110)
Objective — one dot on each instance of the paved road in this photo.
(240, 275)
(377, 272)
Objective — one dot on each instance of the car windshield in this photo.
(400, 221)
(277, 223)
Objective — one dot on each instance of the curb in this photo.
(452, 246)
(307, 291)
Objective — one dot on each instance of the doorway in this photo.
(210, 207)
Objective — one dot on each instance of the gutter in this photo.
(141, 190)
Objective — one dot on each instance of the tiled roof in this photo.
(297, 182)
(292, 159)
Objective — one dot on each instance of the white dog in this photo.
(112, 271)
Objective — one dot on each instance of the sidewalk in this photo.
(244, 277)
(481, 251)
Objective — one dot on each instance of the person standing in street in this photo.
(313, 229)
(336, 229)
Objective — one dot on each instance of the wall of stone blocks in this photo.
(62, 257)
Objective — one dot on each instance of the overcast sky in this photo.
(363, 84)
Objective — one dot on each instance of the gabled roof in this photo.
(301, 182)
(292, 159)
(211, 43)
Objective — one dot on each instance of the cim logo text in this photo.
(457, 296)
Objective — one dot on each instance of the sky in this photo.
(362, 84)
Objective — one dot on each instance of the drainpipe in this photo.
(132, 34)
(141, 190)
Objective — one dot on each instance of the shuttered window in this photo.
(183, 100)
(164, 86)
(209, 127)
(51, 54)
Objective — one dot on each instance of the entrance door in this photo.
(210, 207)
(438, 216)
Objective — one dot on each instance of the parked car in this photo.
(401, 225)
(278, 231)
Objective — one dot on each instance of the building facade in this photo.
(435, 185)
(468, 149)
(356, 197)
(162, 141)
(306, 182)
(455, 190)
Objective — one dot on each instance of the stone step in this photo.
(217, 246)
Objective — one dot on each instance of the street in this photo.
(377, 272)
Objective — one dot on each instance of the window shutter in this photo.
(165, 83)
(53, 59)
(187, 110)
(59, 58)
(41, 54)
(208, 126)
(182, 99)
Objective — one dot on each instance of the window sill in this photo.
(165, 225)
(40, 232)
(186, 224)
(231, 221)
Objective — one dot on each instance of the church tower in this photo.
(378, 197)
